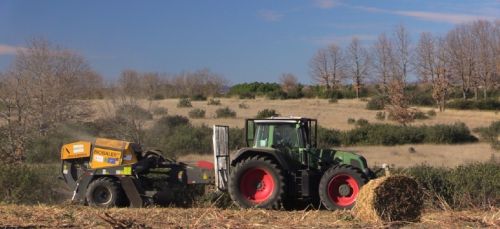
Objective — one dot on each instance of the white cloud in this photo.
(8, 49)
(325, 4)
(269, 15)
(453, 18)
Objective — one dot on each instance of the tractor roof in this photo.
(285, 119)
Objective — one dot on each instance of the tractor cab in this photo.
(280, 132)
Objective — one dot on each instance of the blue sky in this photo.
(244, 41)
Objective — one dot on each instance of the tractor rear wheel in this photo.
(257, 182)
(105, 192)
(339, 187)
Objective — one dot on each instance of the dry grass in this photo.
(86, 217)
(330, 115)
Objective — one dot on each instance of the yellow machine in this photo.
(105, 152)
(110, 173)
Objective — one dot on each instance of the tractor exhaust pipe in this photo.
(221, 156)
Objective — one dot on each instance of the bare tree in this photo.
(459, 51)
(484, 52)
(359, 62)
(383, 60)
(288, 82)
(38, 92)
(431, 64)
(402, 52)
(328, 66)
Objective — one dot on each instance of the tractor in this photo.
(282, 165)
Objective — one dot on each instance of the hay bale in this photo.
(390, 198)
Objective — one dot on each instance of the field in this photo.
(335, 115)
(69, 216)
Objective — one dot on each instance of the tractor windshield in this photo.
(278, 135)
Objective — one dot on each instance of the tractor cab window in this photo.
(279, 134)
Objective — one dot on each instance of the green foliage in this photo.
(250, 90)
(431, 113)
(420, 115)
(214, 101)
(267, 113)
(29, 184)
(491, 134)
(376, 103)
(380, 115)
(465, 186)
(198, 97)
(362, 122)
(351, 121)
(160, 111)
(329, 137)
(184, 102)
(243, 105)
(225, 112)
(197, 113)
(133, 112)
(488, 104)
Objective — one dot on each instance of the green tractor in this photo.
(282, 165)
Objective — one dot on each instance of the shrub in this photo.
(160, 111)
(243, 105)
(447, 134)
(30, 184)
(198, 97)
(465, 186)
(431, 113)
(380, 115)
(213, 101)
(134, 112)
(376, 103)
(333, 100)
(488, 104)
(225, 112)
(266, 113)
(491, 134)
(328, 137)
(158, 97)
(420, 115)
(362, 122)
(184, 102)
(197, 113)
(351, 121)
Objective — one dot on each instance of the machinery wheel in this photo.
(105, 192)
(257, 182)
(339, 187)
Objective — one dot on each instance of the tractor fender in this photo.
(272, 153)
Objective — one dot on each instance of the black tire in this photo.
(268, 193)
(105, 192)
(339, 187)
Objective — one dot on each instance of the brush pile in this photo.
(390, 198)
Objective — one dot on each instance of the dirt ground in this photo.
(68, 216)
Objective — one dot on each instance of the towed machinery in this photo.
(280, 167)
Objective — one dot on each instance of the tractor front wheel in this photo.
(339, 187)
(257, 182)
(105, 192)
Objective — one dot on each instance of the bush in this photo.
(160, 111)
(198, 97)
(376, 103)
(243, 105)
(465, 186)
(488, 104)
(380, 115)
(213, 101)
(362, 122)
(197, 113)
(30, 184)
(431, 113)
(134, 112)
(351, 121)
(184, 102)
(491, 134)
(333, 100)
(267, 113)
(420, 115)
(225, 113)
(329, 137)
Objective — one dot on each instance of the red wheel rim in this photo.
(257, 185)
(343, 190)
